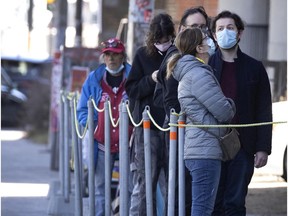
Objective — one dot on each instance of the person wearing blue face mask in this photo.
(245, 80)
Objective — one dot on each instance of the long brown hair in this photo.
(186, 43)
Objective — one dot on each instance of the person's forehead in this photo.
(225, 22)
(196, 18)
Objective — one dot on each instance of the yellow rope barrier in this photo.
(153, 121)
(94, 104)
(77, 124)
(115, 124)
(131, 118)
(111, 116)
(230, 125)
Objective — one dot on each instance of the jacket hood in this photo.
(185, 64)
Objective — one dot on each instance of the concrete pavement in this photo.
(25, 175)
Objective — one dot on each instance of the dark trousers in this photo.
(233, 187)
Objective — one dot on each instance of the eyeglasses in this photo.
(110, 44)
(204, 28)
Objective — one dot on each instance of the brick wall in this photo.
(176, 8)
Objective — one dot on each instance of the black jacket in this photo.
(166, 94)
(140, 86)
(253, 101)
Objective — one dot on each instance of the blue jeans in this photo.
(100, 181)
(233, 187)
(205, 176)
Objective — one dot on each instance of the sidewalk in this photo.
(26, 177)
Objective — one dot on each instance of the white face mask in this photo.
(212, 46)
(114, 72)
(163, 47)
(227, 38)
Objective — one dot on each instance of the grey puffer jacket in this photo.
(203, 102)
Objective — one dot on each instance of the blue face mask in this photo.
(212, 46)
(114, 72)
(226, 39)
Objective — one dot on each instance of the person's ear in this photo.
(214, 35)
(200, 49)
(240, 34)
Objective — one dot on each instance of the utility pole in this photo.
(78, 39)
(140, 14)
(61, 22)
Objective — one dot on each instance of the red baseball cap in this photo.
(113, 45)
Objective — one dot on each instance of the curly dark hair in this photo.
(161, 26)
(228, 14)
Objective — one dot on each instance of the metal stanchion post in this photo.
(172, 164)
(66, 150)
(147, 152)
(78, 197)
(107, 160)
(61, 144)
(124, 163)
(181, 167)
(91, 158)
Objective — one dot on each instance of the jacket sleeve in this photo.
(138, 84)
(171, 96)
(82, 107)
(264, 112)
(209, 93)
(158, 95)
(167, 89)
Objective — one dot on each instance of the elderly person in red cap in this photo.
(106, 81)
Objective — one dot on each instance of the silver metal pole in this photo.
(172, 164)
(181, 167)
(77, 171)
(80, 147)
(107, 160)
(66, 150)
(61, 145)
(91, 166)
(124, 163)
(147, 156)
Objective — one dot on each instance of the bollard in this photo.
(77, 171)
(147, 156)
(107, 159)
(91, 166)
(181, 167)
(172, 164)
(81, 168)
(123, 158)
(61, 144)
(59, 202)
(66, 151)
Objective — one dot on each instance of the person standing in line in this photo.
(140, 87)
(107, 81)
(203, 102)
(245, 80)
(166, 94)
